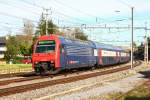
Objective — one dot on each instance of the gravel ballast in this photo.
(81, 89)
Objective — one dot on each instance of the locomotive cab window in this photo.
(45, 46)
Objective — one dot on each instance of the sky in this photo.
(72, 13)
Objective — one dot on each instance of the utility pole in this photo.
(132, 37)
(146, 50)
(46, 21)
(146, 45)
(46, 18)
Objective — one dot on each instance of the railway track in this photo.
(10, 75)
(27, 87)
(6, 82)
(32, 76)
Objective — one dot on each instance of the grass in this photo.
(6, 66)
(140, 93)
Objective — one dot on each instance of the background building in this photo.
(2, 46)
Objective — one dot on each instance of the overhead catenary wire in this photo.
(62, 14)
(116, 41)
(34, 4)
(30, 3)
(80, 11)
(75, 9)
(58, 21)
(54, 11)
(11, 25)
(17, 17)
(125, 3)
(18, 7)
(15, 28)
(73, 18)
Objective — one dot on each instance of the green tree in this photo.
(52, 28)
(139, 52)
(20, 44)
(25, 40)
(25, 47)
(12, 48)
(79, 34)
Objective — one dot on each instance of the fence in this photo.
(15, 68)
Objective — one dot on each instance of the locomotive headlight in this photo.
(52, 61)
(36, 62)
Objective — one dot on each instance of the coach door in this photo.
(117, 57)
(62, 56)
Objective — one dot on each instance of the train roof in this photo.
(76, 42)
(68, 41)
(107, 46)
(92, 44)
